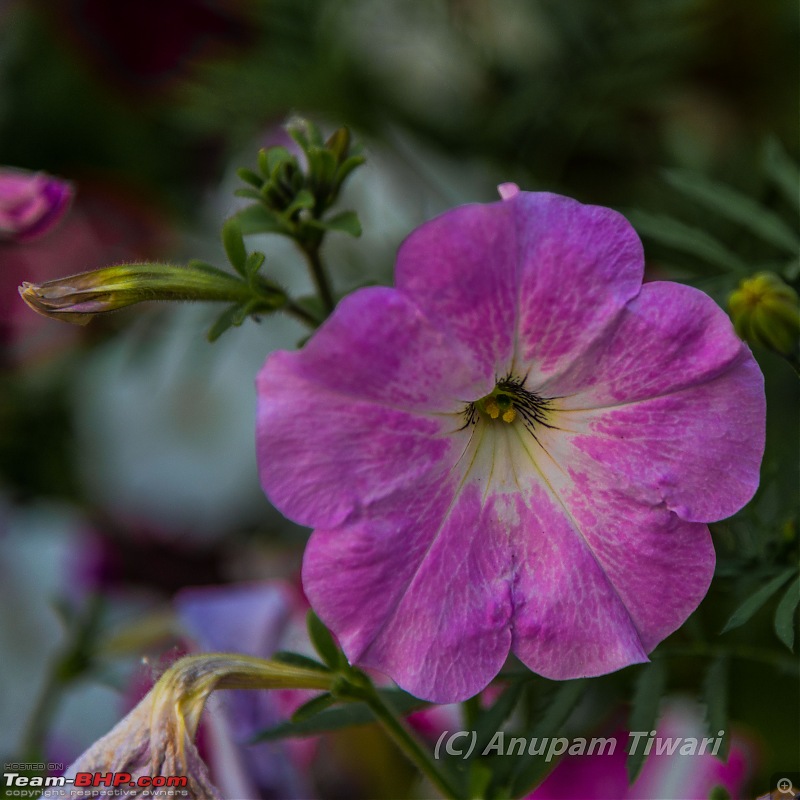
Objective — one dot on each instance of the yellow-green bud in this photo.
(79, 297)
(765, 311)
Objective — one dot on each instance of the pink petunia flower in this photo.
(516, 449)
(31, 203)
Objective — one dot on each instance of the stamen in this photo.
(509, 401)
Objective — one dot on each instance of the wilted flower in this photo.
(31, 203)
(157, 738)
(515, 449)
(255, 619)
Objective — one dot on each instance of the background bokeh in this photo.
(127, 464)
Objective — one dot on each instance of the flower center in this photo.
(510, 401)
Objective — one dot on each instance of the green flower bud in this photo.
(765, 311)
(79, 297)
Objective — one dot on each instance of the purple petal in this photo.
(242, 619)
(526, 284)
(596, 588)
(668, 338)
(579, 266)
(359, 434)
(420, 591)
(696, 451)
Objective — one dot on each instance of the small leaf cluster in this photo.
(294, 201)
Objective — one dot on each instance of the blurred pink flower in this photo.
(31, 204)
(663, 777)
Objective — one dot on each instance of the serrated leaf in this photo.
(233, 242)
(346, 222)
(756, 601)
(735, 207)
(784, 615)
(313, 707)
(715, 696)
(257, 219)
(782, 170)
(647, 696)
(323, 642)
(223, 322)
(563, 702)
(341, 717)
(687, 239)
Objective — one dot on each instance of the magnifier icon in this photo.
(785, 786)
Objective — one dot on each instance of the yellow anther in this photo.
(492, 409)
(510, 414)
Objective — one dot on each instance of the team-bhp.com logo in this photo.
(85, 780)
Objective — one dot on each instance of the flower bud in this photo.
(765, 311)
(30, 204)
(79, 297)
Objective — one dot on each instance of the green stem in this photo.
(320, 277)
(296, 311)
(409, 744)
(71, 663)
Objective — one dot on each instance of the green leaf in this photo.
(784, 615)
(223, 322)
(253, 264)
(715, 695)
(756, 600)
(323, 641)
(341, 717)
(250, 194)
(687, 239)
(248, 176)
(313, 707)
(233, 242)
(257, 219)
(303, 199)
(490, 719)
(346, 222)
(647, 696)
(275, 157)
(782, 170)
(531, 770)
(298, 660)
(480, 776)
(347, 167)
(735, 207)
